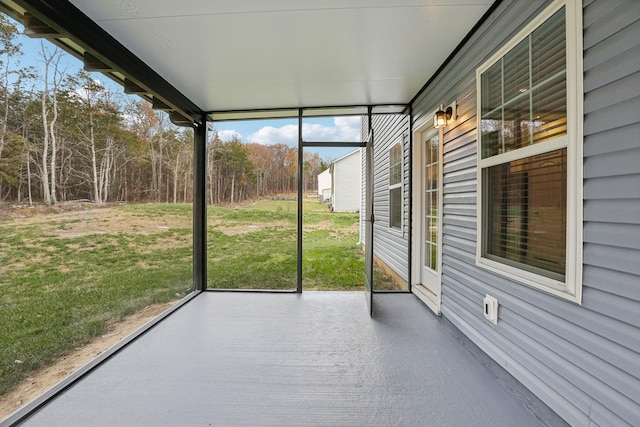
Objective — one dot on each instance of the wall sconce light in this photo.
(442, 116)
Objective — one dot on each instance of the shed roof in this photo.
(351, 153)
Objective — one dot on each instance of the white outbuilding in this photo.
(346, 182)
(324, 186)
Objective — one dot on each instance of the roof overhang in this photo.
(253, 59)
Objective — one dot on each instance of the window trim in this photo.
(397, 143)
(571, 288)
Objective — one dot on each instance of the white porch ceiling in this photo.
(244, 55)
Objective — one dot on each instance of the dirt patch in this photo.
(234, 230)
(40, 381)
(109, 221)
(71, 221)
(328, 225)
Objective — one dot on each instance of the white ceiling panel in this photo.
(252, 54)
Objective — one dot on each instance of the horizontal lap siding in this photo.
(611, 282)
(583, 361)
(390, 245)
(346, 176)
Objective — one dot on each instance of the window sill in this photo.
(545, 284)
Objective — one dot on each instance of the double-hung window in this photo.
(395, 186)
(530, 154)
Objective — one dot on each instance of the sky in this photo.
(285, 131)
(279, 131)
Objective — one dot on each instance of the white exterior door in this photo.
(428, 225)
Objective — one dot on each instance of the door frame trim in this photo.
(432, 301)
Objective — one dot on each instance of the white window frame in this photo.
(399, 144)
(571, 287)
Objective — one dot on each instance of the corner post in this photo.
(410, 219)
(200, 205)
(300, 195)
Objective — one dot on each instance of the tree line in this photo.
(65, 137)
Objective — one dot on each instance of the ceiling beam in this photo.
(157, 104)
(133, 88)
(91, 63)
(35, 28)
(179, 120)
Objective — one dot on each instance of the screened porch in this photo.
(310, 359)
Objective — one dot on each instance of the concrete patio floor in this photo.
(311, 359)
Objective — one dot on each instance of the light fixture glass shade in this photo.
(440, 118)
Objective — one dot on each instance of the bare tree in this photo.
(145, 123)
(178, 153)
(8, 50)
(51, 61)
(12, 77)
(158, 147)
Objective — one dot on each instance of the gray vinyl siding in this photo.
(582, 360)
(389, 244)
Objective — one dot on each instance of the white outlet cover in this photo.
(490, 309)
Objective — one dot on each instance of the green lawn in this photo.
(65, 275)
(256, 247)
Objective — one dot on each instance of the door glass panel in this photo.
(431, 185)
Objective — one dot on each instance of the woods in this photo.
(66, 137)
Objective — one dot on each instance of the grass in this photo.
(332, 258)
(64, 276)
(261, 250)
(58, 293)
